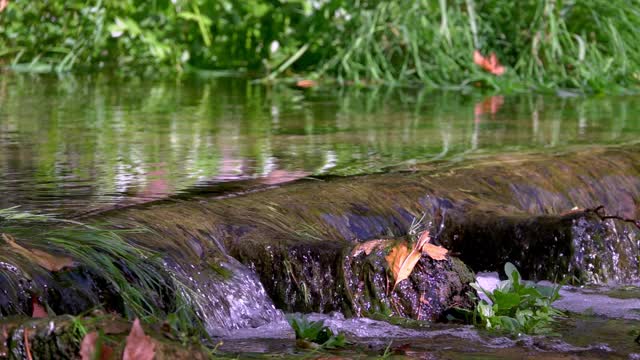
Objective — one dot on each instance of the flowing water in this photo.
(77, 145)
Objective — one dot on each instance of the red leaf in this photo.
(306, 84)
(139, 346)
(38, 310)
(490, 64)
(88, 348)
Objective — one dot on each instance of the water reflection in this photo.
(68, 144)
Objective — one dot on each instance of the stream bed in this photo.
(259, 201)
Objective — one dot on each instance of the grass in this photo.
(137, 274)
(546, 45)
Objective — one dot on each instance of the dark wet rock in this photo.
(317, 276)
(433, 288)
(60, 338)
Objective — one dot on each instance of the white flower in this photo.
(275, 45)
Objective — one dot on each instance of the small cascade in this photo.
(226, 298)
(241, 258)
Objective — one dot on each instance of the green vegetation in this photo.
(313, 334)
(549, 44)
(137, 274)
(517, 307)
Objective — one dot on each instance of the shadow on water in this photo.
(76, 144)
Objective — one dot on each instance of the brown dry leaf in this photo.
(46, 260)
(139, 346)
(27, 346)
(88, 348)
(366, 247)
(401, 260)
(435, 252)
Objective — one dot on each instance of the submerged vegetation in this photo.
(314, 334)
(588, 45)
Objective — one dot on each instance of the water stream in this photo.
(203, 163)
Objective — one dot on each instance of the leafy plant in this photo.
(516, 306)
(313, 334)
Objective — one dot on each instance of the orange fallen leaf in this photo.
(139, 346)
(46, 260)
(306, 84)
(401, 260)
(27, 346)
(89, 346)
(435, 252)
(366, 247)
(489, 64)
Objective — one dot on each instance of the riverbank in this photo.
(543, 46)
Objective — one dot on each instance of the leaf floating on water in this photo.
(366, 247)
(44, 259)
(139, 346)
(92, 349)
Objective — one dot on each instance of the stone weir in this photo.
(298, 247)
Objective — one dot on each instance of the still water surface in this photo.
(72, 145)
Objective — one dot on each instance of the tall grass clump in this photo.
(588, 45)
(136, 274)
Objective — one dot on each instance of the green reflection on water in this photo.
(71, 143)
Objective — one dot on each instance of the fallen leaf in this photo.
(435, 252)
(489, 64)
(139, 346)
(366, 247)
(38, 310)
(401, 260)
(306, 84)
(27, 346)
(88, 348)
(283, 176)
(46, 260)
(3, 4)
